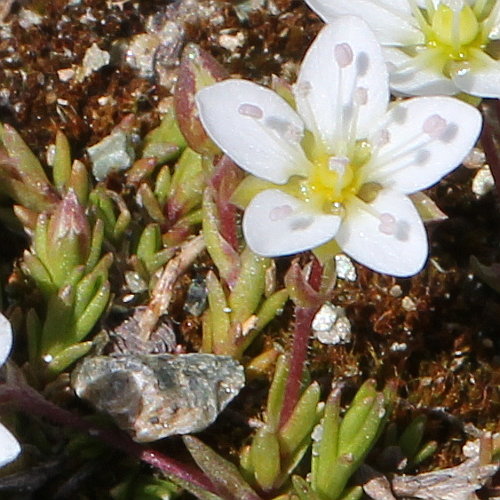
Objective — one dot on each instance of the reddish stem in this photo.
(31, 402)
(303, 320)
(490, 138)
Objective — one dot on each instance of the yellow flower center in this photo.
(454, 27)
(333, 179)
(456, 33)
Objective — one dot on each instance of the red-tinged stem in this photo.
(490, 139)
(31, 402)
(303, 320)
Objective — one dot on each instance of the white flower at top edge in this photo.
(9, 447)
(431, 46)
(341, 166)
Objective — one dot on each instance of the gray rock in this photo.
(155, 396)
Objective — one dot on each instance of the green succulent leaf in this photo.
(223, 474)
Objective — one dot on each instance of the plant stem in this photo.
(303, 320)
(32, 402)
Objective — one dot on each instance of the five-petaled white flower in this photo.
(431, 46)
(9, 447)
(340, 167)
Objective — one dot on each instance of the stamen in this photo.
(302, 90)
(387, 224)
(454, 5)
(293, 134)
(298, 160)
(361, 96)
(455, 34)
(382, 138)
(343, 54)
(280, 213)
(369, 191)
(434, 126)
(290, 132)
(338, 164)
(250, 110)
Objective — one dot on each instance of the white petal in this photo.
(425, 139)
(363, 238)
(276, 223)
(255, 127)
(391, 21)
(482, 79)
(420, 75)
(9, 447)
(343, 62)
(5, 338)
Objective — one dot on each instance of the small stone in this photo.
(398, 346)
(104, 100)
(395, 291)
(331, 326)
(114, 152)
(408, 304)
(345, 268)
(231, 42)
(135, 283)
(66, 74)
(141, 53)
(483, 182)
(29, 18)
(475, 159)
(155, 396)
(196, 298)
(93, 60)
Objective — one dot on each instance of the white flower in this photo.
(432, 46)
(9, 447)
(342, 165)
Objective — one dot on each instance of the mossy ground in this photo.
(444, 350)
